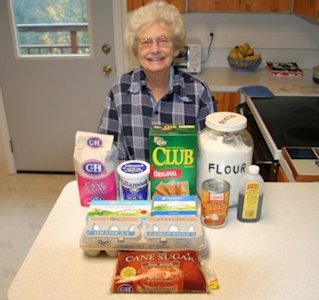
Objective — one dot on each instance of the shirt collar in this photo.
(177, 84)
(138, 80)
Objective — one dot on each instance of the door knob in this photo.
(106, 48)
(107, 69)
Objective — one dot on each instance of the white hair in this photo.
(153, 12)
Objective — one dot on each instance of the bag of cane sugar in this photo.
(95, 161)
(159, 272)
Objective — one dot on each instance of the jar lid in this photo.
(226, 121)
(134, 169)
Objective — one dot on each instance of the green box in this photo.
(173, 160)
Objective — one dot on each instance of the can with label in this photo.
(214, 202)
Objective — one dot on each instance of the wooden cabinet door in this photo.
(307, 8)
(133, 4)
(281, 176)
(213, 5)
(283, 6)
(240, 5)
(226, 101)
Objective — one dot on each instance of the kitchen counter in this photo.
(276, 258)
(227, 80)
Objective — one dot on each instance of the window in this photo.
(51, 27)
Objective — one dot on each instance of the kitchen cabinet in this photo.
(308, 9)
(133, 4)
(226, 101)
(213, 5)
(282, 6)
(281, 175)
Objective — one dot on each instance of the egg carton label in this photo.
(174, 205)
(133, 233)
(120, 208)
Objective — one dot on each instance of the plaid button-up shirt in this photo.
(131, 109)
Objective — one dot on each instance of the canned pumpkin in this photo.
(214, 202)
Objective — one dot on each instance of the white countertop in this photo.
(276, 258)
(227, 80)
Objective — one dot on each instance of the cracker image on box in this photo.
(173, 153)
(172, 188)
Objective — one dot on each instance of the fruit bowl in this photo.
(244, 64)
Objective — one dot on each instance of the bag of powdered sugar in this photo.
(95, 161)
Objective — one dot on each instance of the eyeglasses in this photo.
(161, 41)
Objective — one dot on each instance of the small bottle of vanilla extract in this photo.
(251, 193)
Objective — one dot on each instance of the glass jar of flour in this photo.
(225, 150)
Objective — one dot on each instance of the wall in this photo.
(278, 37)
(7, 162)
(2, 114)
(2, 156)
(4, 135)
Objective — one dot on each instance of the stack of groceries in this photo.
(145, 213)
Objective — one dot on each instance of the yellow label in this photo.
(127, 272)
(164, 156)
(251, 200)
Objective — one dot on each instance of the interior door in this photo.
(47, 100)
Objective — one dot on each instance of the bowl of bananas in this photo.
(243, 58)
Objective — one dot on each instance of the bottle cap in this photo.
(253, 169)
(226, 121)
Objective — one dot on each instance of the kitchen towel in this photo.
(256, 91)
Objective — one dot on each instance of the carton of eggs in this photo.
(113, 234)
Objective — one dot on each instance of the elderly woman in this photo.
(156, 92)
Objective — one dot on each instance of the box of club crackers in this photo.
(173, 154)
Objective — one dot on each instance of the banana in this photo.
(240, 54)
(253, 57)
(234, 53)
(246, 47)
(241, 50)
(244, 51)
(250, 52)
